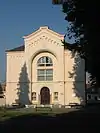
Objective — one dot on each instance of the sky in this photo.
(22, 17)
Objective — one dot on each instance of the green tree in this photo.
(84, 20)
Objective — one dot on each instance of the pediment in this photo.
(44, 31)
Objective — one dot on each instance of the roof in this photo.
(20, 48)
(44, 28)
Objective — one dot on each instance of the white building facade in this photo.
(39, 72)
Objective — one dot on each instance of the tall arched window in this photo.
(45, 69)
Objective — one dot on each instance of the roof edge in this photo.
(41, 28)
(17, 49)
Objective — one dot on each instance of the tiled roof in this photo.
(20, 48)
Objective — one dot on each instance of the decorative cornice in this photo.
(48, 39)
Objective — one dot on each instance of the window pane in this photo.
(49, 72)
(50, 61)
(49, 78)
(44, 60)
(34, 96)
(41, 78)
(41, 64)
(33, 93)
(39, 61)
(55, 95)
(41, 72)
(49, 64)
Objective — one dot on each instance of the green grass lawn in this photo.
(64, 120)
(7, 114)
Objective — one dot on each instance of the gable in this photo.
(42, 30)
(43, 33)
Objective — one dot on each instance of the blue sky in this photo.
(22, 17)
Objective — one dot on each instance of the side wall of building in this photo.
(74, 78)
(13, 73)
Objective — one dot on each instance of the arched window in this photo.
(45, 69)
(45, 61)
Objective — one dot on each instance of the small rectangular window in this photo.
(55, 96)
(34, 96)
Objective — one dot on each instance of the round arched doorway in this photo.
(45, 95)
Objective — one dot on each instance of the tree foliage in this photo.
(84, 19)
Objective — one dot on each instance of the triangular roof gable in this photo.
(34, 34)
(46, 28)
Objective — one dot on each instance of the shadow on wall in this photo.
(79, 77)
(23, 87)
(1, 91)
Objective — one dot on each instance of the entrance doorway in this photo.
(45, 95)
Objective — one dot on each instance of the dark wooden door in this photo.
(45, 96)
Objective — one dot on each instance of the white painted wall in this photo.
(14, 65)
